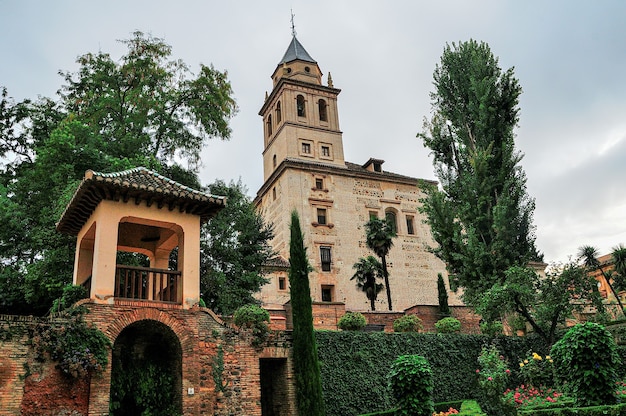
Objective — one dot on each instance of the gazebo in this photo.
(138, 211)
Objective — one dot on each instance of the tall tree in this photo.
(367, 270)
(481, 218)
(379, 236)
(442, 293)
(234, 247)
(144, 110)
(306, 367)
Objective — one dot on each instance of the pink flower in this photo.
(489, 378)
(507, 371)
(477, 371)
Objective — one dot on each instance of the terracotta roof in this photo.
(137, 185)
(276, 263)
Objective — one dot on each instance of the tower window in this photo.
(321, 216)
(409, 225)
(278, 113)
(319, 183)
(390, 216)
(323, 110)
(282, 284)
(269, 125)
(378, 167)
(326, 151)
(274, 194)
(306, 148)
(274, 161)
(327, 293)
(325, 258)
(300, 106)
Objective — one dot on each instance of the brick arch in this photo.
(184, 334)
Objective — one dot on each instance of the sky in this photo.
(568, 55)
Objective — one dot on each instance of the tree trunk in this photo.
(386, 276)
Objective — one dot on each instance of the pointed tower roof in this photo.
(296, 51)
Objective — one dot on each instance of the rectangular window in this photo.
(319, 183)
(321, 216)
(325, 258)
(306, 148)
(326, 151)
(282, 284)
(327, 293)
(409, 225)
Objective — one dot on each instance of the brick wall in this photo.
(29, 387)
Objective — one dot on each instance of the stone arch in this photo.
(184, 334)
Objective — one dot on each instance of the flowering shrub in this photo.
(537, 371)
(450, 411)
(493, 376)
(525, 396)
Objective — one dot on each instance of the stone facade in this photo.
(305, 170)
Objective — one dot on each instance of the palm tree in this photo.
(589, 255)
(619, 262)
(368, 269)
(378, 238)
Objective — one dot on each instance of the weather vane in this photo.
(293, 25)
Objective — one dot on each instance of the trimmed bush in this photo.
(408, 323)
(255, 318)
(411, 383)
(448, 325)
(586, 364)
(352, 321)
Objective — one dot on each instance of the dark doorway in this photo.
(274, 395)
(146, 375)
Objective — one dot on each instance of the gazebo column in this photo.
(189, 262)
(105, 257)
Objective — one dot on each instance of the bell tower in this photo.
(300, 115)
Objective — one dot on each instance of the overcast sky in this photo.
(569, 56)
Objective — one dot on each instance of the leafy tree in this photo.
(544, 303)
(367, 270)
(144, 110)
(379, 234)
(444, 309)
(589, 256)
(305, 362)
(481, 218)
(234, 246)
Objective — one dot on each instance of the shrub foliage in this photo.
(352, 321)
(411, 383)
(408, 323)
(448, 325)
(586, 364)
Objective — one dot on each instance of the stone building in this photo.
(305, 170)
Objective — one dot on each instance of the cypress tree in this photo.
(444, 309)
(306, 368)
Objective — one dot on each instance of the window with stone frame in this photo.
(328, 293)
(325, 258)
(322, 218)
(300, 105)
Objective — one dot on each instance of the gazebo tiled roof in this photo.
(136, 185)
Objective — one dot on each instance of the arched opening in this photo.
(300, 106)
(279, 115)
(323, 110)
(391, 217)
(146, 371)
(269, 125)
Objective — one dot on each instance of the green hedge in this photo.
(355, 365)
(614, 410)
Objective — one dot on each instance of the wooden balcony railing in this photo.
(147, 284)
